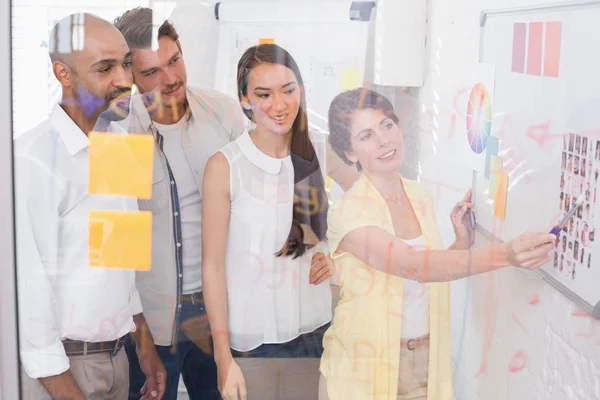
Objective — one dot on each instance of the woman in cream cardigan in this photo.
(390, 336)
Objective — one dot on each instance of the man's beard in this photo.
(174, 103)
(93, 105)
(156, 104)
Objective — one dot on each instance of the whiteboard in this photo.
(534, 117)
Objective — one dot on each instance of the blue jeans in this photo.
(309, 345)
(192, 358)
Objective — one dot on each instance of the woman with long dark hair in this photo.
(264, 218)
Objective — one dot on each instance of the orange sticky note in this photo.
(120, 239)
(121, 164)
(495, 169)
(501, 193)
(266, 41)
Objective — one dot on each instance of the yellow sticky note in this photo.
(120, 164)
(266, 41)
(501, 193)
(328, 183)
(351, 79)
(120, 239)
(495, 169)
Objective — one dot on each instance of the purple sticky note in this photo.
(518, 55)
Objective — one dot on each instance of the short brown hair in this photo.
(342, 109)
(136, 27)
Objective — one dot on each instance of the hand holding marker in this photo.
(557, 228)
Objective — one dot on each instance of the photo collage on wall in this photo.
(579, 173)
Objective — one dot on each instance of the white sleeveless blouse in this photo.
(415, 303)
(269, 298)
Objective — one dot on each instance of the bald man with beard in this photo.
(73, 319)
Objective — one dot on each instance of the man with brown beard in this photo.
(189, 125)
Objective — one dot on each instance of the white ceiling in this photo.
(243, 1)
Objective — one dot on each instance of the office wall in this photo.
(31, 22)
(199, 35)
(513, 336)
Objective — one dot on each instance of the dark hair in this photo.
(341, 111)
(136, 27)
(310, 199)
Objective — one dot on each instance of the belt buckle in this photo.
(117, 346)
(412, 343)
(196, 298)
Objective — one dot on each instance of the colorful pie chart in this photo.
(479, 118)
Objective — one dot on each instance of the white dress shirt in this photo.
(60, 295)
(190, 203)
(270, 299)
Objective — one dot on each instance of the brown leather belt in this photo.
(194, 298)
(79, 348)
(416, 343)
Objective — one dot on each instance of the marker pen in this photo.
(557, 228)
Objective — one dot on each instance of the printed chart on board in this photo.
(580, 170)
(479, 147)
(480, 81)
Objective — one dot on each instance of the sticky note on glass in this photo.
(328, 183)
(495, 170)
(501, 193)
(121, 164)
(552, 49)
(491, 149)
(120, 239)
(266, 41)
(351, 79)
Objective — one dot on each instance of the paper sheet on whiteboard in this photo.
(480, 81)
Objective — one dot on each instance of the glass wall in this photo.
(116, 107)
(9, 376)
(111, 134)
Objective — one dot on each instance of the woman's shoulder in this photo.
(218, 164)
(230, 151)
(352, 196)
(360, 201)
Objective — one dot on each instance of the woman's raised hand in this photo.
(530, 250)
(461, 222)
